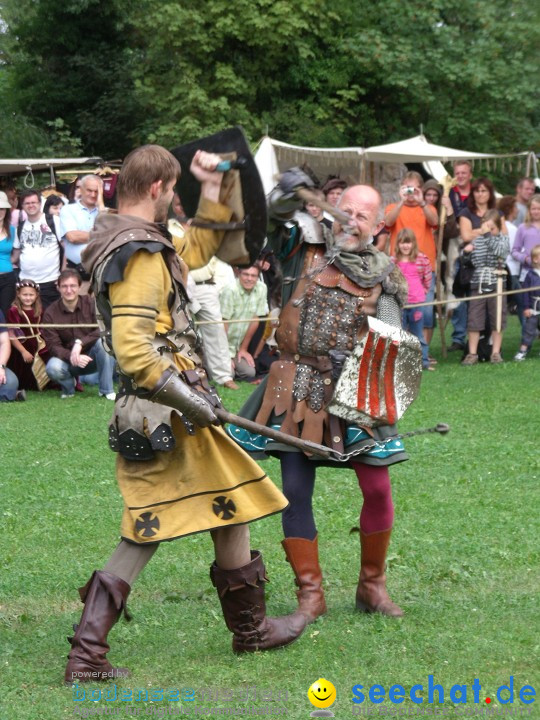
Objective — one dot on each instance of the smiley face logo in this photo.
(322, 693)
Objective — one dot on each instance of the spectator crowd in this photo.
(52, 341)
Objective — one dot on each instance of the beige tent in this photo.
(357, 163)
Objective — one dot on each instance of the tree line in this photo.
(100, 77)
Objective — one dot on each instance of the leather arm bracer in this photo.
(172, 391)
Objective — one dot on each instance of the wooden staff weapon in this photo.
(305, 445)
(500, 272)
(308, 195)
(447, 183)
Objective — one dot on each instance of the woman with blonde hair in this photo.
(527, 236)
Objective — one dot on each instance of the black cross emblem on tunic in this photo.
(223, 508)
(146, 525)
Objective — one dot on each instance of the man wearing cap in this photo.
(332, 191)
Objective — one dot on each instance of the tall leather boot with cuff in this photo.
(104, 597)
(303, 555)
(241, 594)
(371, 594)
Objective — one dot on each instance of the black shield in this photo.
(227, 141)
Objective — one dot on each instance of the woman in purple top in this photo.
(527, 236)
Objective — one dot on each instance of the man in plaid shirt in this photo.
(247, 298)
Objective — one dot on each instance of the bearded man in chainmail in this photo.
(333, 281)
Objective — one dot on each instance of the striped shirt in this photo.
(488, 250)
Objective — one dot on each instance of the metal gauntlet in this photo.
(175, 393)
(283, 200)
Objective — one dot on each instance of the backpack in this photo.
(49, 219)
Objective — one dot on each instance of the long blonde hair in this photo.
(535, 199)
(407, 234)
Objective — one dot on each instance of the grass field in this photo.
(463, 565)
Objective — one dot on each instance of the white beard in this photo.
(350, 243)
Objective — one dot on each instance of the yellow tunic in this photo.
(206, 481)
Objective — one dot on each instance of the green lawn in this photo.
(463, 562)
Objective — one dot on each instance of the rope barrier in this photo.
(95, 325)
(272, 318)
(473, 297)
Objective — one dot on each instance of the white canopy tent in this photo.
(13, 166)
(274, 156)
(419, 149)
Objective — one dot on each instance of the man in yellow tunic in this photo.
(178, 471)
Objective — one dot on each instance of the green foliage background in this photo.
(312, 72)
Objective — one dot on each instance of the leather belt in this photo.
(205, 282)
(322, 364)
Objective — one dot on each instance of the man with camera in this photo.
(414, 213)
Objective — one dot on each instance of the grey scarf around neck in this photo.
(367, 267)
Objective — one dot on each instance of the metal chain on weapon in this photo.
(441, 428)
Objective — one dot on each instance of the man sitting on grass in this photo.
(75, 351)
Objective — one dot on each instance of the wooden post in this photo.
(500, 272)
(447, 183)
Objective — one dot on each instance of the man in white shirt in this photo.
(76, 221)
(37, 249)
(215, 343)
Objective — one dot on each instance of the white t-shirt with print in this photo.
(40, 252)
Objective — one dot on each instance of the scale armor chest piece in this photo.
(330, 320)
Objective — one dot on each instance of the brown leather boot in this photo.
(303, 556)
(104, 597)
(241, 593)
(371, 595)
